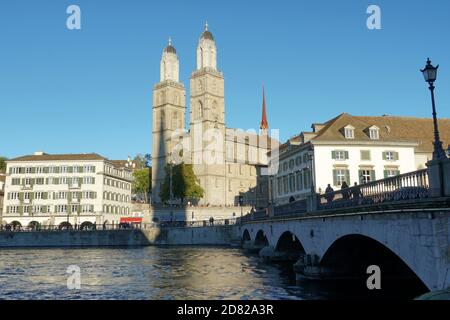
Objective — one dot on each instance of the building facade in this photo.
(352, 149)
(67, 188)
(224, 160)
(2, 192)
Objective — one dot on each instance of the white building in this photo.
(52, 189)
(352, 149)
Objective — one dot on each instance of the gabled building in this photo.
(352, 149)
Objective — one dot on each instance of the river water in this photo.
(149, 273)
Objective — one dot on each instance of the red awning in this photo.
(130, 220)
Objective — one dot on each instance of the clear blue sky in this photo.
(65, 91)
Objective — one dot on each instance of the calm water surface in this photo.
(145, 273)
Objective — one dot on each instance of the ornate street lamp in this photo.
(430, 75)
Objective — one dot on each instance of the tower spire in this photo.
(206, 25)
(170, 41)
(264, 123)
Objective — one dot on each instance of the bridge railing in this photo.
(408, 186)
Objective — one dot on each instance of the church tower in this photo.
(207, 120)
(169, 109)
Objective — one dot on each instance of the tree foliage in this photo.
(184, 183)
(141, 182)
(3, 164)
(143, 161)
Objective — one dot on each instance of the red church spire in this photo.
(264, 124)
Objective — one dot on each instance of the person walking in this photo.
(344, 190)
(329, 193)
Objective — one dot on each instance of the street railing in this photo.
(408, 186)
(121, 226)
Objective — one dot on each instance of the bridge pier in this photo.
(269, 254)
(308, 267)
(250, 247)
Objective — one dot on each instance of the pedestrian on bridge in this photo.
(329, 193)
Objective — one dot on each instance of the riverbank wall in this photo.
(214, 236)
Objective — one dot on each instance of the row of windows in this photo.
(243, 170)
(71, 181)
(115, 197)
(60, 208)
(341, 175)
(298, 181)
(52, 169)
(373, 132)
(40, 195)
(299, 161)
(364, 155)
(116, 209)
(117, 184)
(116, 172)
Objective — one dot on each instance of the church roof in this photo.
(207, 35)
(170, 49)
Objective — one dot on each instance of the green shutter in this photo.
(397, 172)
(372, 175)
(395, 155)
(93, 180)
(45, 196)
(33, 170)
(346, 156)
(10, 170)
(333, 155)
(384, 155)
(70, 169)
(21, 196)
(385, 174)
(46, 169)
(80, 169)
(57, 169)
(360, 175)
(335, 177)
(347, 177)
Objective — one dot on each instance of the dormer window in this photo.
(374, 133)
(349, 132)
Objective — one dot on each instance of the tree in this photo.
(141, 182)
(184, 183)
(3, 164)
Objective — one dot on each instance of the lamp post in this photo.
(430, 75)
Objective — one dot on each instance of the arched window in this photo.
(199, 111)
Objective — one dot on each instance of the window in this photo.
(366, 176)
(365, 155)
(339, 155)
(285, 184)
(28, 170)
(15, 181)
(39, 195)
(13, 196)
(40, 170)
(299, 181)
(291, 183)
(279, 187)
(64, 169)
(390, 156)
(285, 166)
(340, 175)
(349, 132)
(374, 133)
(291, 164)
(391, 172)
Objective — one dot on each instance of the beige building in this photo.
(352, 149)
(225, 160)
(52, 189)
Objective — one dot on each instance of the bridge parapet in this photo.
(408, 186)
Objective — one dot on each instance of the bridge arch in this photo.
(349, 256)
(291, 247)
(261, 239)
(246, 236)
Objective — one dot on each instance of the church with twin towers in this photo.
(226, 161)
